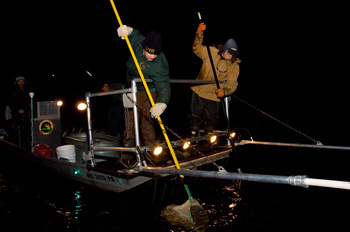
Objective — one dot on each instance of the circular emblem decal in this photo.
(142, 65)
(46, 127)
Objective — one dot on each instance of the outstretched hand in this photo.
(201, 28)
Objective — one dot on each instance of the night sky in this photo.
(294, 55)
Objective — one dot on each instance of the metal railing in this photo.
(132, 90)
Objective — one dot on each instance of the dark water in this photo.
(32, 198)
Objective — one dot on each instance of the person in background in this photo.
(19, 103)
(206, 98)
(154, 65)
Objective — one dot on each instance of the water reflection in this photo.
(78, 203)
(223, 213)
(67, 216)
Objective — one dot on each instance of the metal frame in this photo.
(132, 90)
(300, 180)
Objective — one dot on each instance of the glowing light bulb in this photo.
(186, 145)
(59, 103)
(212, 138)
(158, 150)
(82, 106)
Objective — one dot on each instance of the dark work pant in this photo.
(22, 132)
(205, 112)
(145, 120)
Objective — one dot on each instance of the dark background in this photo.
(294, 56)
(294, 67)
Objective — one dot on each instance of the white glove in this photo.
(124, 30)
(157, 109)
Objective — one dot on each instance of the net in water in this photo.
(189, 215)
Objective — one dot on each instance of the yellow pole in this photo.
(147, 90)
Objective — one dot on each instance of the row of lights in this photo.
(157, 150)
(185, 145)
(81, 106)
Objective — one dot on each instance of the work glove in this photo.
(201, 28)
(105, 88)
(220, 92)
(124, 30)
(157, 109)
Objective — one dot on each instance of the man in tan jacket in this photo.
(206, 98)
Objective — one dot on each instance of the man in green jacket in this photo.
(206, 98)
(154, 65)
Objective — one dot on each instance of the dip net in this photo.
(189, 215)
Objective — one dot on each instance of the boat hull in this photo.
(110, 180)
(73, 171)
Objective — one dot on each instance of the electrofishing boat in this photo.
(100, 160)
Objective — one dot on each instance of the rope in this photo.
(277, 120)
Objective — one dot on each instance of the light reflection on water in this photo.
(65, 206)
(75, 207)
(78, 204)
(49, 203)
(222, 212)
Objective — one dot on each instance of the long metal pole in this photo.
(292, 180)
(136, 121)
(218, 86)
(299, 180)
(31, 95)
(88, 112)
(248, 142)
(112, 92)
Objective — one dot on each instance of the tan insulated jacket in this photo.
(225, 70)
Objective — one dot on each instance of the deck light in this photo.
(232, 134)
(82, 106)
(59, 103)
(212, 138)
(186, 145)
(157, 150)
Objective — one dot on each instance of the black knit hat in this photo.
(153, 43)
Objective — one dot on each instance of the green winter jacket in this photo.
(157, 70)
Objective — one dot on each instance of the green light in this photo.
(76, 172)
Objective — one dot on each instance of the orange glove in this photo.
(105, 88)
(201, 28)
(220, 92)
